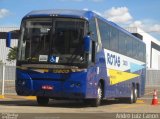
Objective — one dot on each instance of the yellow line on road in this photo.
(126, 107)
(17, 97)
(140, 101)
(31, 97)
(137, 104)
(1, 96)
(130, 106)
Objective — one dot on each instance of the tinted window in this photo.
(144, 53)
(129, 46)
(122, 44)
(140, 54)
(93, 29)
(105, 33)
(118, 41)
(135, 49)
(114, 39)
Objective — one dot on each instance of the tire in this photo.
(135, 95)
(42, 100)
(96, 102)
(131, 98)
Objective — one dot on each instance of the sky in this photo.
(126, 13)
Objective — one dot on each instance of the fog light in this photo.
(23, 83)
(72, 85)
(78, 85)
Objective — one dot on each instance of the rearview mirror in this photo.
(87, 41)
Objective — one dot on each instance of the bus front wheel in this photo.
(96, 102)
(42, 100)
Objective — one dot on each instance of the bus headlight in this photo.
(21, 82)
(77, 85)
(72, 85)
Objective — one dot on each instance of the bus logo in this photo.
(113, 59)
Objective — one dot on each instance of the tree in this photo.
(12, 54)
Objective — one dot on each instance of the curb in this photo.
(18, 97)
(140, 101)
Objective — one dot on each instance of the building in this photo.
(3, 49)
(152, 48)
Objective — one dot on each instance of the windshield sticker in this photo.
(54, 59)
(57, 59)
(43, 58)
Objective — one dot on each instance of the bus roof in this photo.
(62, 13)
(74, 14)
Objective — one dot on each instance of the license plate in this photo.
(47, 87)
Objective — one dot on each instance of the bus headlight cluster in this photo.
(21, 82)
(77, 85)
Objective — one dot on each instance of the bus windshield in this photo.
(43, 39)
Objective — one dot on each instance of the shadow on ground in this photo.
(56, 103)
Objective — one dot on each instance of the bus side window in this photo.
(105, 33)
(114, 39)
(129, 46)
(93, 29)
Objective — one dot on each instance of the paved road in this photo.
(75, 109)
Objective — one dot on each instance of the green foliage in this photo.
(12, 54)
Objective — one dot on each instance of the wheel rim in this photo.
(131, 96)
(99, 93)
(136, 93)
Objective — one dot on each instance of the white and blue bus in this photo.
(76, 54)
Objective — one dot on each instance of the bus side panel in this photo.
(95, 74)
(123, 73)
(91, 82)
(118, 73)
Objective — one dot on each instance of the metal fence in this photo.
(7, 79)
(152, 81)
(1, 79)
